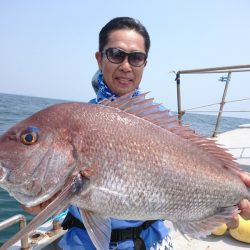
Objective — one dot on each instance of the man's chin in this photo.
(124, 90)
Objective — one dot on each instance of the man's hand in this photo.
(244, 205)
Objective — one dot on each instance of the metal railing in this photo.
(214, 70)
(19, 218)
(28, 241)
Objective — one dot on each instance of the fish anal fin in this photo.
(202, 228)
(98, 228)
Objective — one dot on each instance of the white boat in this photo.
(236, 141)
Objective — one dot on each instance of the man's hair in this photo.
(119, 23)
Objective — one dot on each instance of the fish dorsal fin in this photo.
(147, 109)
(202, 228)
(98, 228)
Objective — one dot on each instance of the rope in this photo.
(217, 111)
(218, 103)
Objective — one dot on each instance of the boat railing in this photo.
(19, 218)
(42, 236)
(215, 70)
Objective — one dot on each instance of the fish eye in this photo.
(29, 137)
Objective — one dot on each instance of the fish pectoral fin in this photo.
(202, 228)
(98, 228)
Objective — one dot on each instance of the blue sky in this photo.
(47, 47)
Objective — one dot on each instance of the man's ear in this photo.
(98, 56)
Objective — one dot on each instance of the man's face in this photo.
(122, 78)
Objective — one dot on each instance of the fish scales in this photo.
(135, 168)
(141, 145)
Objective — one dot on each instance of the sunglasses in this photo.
(115, 55)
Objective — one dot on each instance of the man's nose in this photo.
(125, 65)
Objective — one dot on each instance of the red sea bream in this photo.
(123, 159)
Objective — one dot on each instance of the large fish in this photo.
(123, 159)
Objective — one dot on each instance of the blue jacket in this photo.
(78, 239)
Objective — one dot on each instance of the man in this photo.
(123, 49)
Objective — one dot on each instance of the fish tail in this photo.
(202, 228)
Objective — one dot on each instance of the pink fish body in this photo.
(136, 164)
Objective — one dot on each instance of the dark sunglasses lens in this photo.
(115, 55)
(137, 59)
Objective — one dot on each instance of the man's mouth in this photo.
(124, 81)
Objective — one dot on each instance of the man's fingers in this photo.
(245, 177)
(234, 222)
(244, 206)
